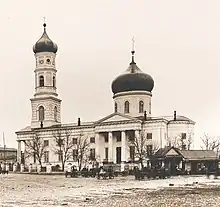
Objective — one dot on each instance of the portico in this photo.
(114, 143)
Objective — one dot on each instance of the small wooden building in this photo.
(170, 157)
(185, 161)
(196, 161)
(8, 155)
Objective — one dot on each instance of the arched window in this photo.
(55, 113)
(41, 80)
(54, 81)
(141, 107)
(116, 107)
(41, 113)
(126, 107)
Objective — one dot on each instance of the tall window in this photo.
(35, 159)
(41, 113)
(126, 107)
(106, 137)
(132, 152)
(141, 107)
(116, 107)
(92, 154)
(60, 156)
(54, 81)
(46, 156)
(41, 81)
(55, 113)
(106, 153)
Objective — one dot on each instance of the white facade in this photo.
(45, 96)
(139, 101)
(111, 126)
(132, 117)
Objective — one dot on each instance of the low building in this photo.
(192, 161)
(196, 161)
(8, 155)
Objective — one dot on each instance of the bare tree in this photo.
(35, 148)
(210, 142)
(143, 146)
(64, 144)
(81, 149)
(182, 141)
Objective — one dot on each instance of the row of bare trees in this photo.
(64, 144)
(181, 142)
(210, 142)
(207, 142)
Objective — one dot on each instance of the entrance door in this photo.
(118, 155)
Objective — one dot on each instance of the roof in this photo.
(7, 149)
(178, 118)
(166, 119)
(163, 151)
(199, 154)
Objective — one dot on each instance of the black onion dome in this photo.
(45, 44)
(133, 79)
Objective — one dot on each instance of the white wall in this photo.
(174, 129)
(133, 98)
(49, 106)
(159, 130)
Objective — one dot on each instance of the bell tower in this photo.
(45, 104)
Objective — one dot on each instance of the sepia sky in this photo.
(177, 43)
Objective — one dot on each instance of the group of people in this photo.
(101, 172)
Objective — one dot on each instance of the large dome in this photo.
(133, 79)
(45, 44)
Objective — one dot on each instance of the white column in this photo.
(123, 150)
(97, 143)
(137, 136)
(110, 147)
(123, 146)
(19, 152)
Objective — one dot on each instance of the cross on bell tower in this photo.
(46, 105)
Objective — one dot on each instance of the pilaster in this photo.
(110, 146)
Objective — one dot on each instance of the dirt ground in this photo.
(23, 190)
(177, 197)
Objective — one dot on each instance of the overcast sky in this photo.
(177, 43)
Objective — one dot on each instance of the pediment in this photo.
(172, 152)
(115, 117)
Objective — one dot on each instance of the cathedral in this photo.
(109, 138)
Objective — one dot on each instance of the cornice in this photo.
(43, 69)
(132, 93)
(156, 121)
(93, 125)
(47, 129)
(45, 98)
(181, 122)
(118, 122)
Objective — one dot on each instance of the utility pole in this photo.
(4, 147)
